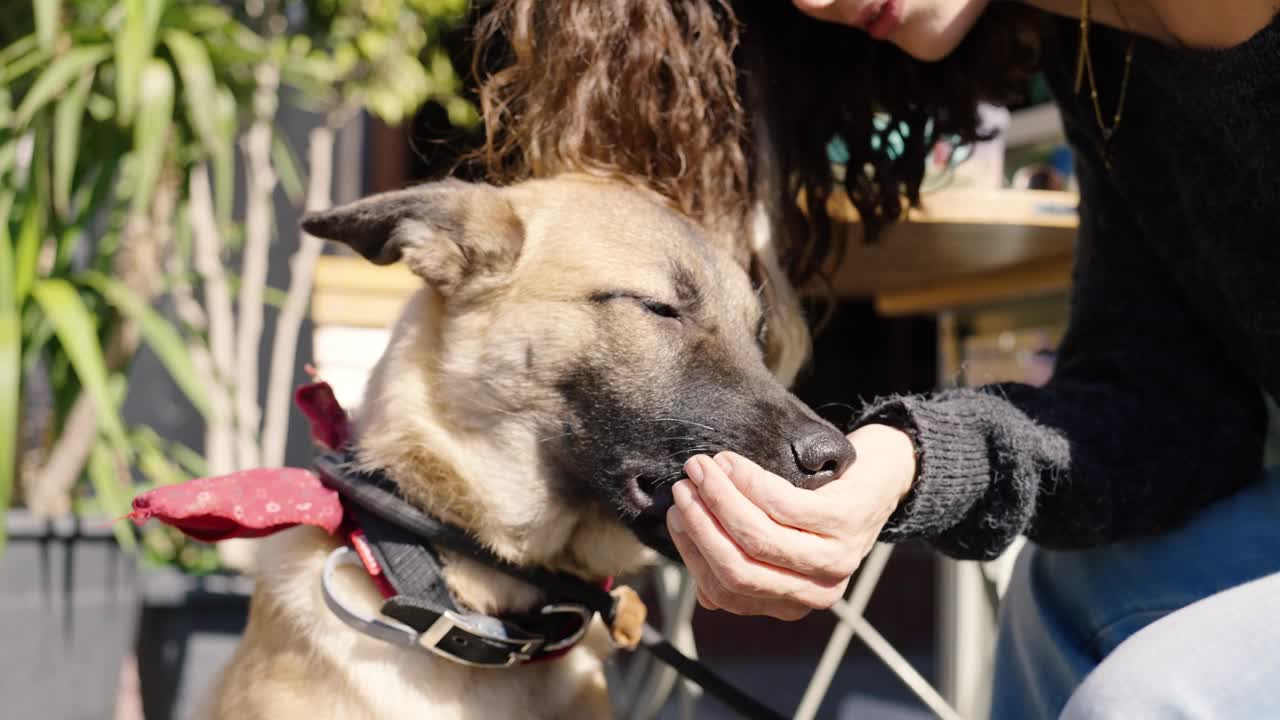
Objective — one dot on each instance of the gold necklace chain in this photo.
(1084, 67)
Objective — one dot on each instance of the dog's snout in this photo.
(822, 451)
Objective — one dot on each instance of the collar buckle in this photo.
(448, 631)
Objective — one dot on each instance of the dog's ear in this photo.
(448, 232)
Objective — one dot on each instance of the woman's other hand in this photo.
(757, 545)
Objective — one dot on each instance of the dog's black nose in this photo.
(824, 452)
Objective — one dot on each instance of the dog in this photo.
(574, 343)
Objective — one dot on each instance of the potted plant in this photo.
(123, 124)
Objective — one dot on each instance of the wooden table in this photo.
(963, 247)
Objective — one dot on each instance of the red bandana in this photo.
(254, 503)
(245, 504)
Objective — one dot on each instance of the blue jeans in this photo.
(1186, 625)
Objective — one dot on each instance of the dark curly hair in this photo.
(721, 105)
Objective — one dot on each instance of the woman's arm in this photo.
(1146, 419)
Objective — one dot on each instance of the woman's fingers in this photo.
(757, 545)
(735, 571)
(713, 596)
(785, 503)
(751, 527)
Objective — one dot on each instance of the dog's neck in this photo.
(486, 590)
(476, 585)
(419, 477)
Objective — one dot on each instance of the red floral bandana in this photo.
(258, 502)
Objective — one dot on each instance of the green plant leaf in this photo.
(275, 297)
(33, 60)
(152, 460)
(272, 296)
(462, 114)
(27, 252)
(201, 18)
(24, 64)
(185, 461)
(68, 119)
(234, 45)
(17, 49)
(159, 545)
(93, 194)
(189, 460)
(55, 79)
(151, 131)
(77, 334)
(90, 195)
(8, 154)
(198, 85)
(211, 113)
(34, 338)
(224, 159)
(287, 168)
(10, 376)
(134, 46)
(6, 204)
(47, 22)
(101, 107)
(163, 338)
(112, 495)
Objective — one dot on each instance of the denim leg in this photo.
(1064, 612)
(1040, 656)
(1216, 658)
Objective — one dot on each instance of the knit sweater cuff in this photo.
(952, 462)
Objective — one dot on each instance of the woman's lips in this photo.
(881, 20)
(869, 15)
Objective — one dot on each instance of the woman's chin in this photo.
(924, 43)
(938, 33)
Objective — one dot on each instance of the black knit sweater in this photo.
(1156, 406)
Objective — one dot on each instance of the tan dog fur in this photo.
(453, 413)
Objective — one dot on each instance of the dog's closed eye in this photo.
(660, 309)
(653, 305)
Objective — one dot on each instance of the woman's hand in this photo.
(758, 545)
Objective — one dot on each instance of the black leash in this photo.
(377, 495)
(723, 690)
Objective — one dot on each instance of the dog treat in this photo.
(628, 617)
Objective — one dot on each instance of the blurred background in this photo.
(158, 306)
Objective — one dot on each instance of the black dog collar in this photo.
(422, 612)
(466, 638)
(429, 620)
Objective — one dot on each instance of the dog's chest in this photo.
(351, 675)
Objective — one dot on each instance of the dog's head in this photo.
(575, 344)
